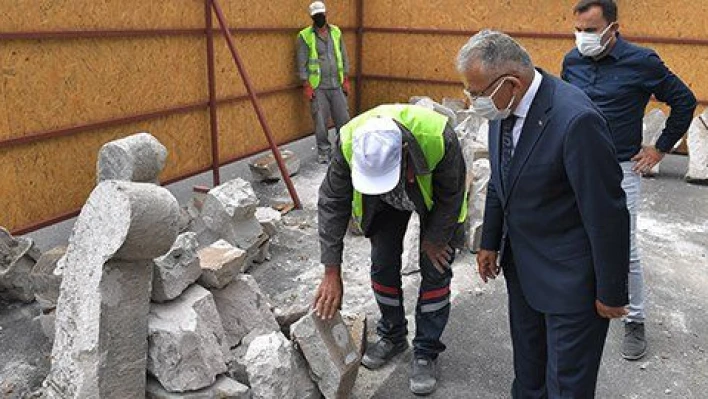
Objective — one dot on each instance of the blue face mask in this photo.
(484, 105)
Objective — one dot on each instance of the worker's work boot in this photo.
(424, 375)
(635, 344)
(381, 352)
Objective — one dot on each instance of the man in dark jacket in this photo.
(394, 160)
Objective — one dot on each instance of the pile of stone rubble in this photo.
(152, 300)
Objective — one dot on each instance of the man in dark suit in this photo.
(555, 216)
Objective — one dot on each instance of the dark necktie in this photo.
(507, 149)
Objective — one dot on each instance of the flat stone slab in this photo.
(265, 168)
(270, 220)
(186, 349)
(331, 353)
(220, 263)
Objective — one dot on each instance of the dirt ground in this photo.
(672, 235)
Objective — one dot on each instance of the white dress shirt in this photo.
(523, 108)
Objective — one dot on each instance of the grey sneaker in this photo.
(634, 345)
(381, 352)
(424, 376)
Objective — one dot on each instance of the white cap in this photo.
(376, 149)
(317, 7)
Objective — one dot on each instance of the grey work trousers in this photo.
(632, 184)
(328, 103)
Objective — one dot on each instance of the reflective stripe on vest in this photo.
(309, 36)
(427, 126)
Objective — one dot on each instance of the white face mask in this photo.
(485, 107)
(590, 44)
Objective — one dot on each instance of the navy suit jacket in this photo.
(564, 215)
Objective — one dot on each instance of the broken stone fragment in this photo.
(100, 347)
(357, 325)
(270, 220)
(429, 103)
(274, 370)
(223, 388)
(17, 258)
(137, 158)
(331, 353)
(265, 168)
(698, 150)
(287, 317)
(230, 202)
(177, 269)
(411, 247)
(220, 263)
(186, 350)
(46, 278)
(243, 308)
(481, 172)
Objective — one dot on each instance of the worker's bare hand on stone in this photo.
(646, 159)
(610, 312)
(328, 299)
(487, 264)
(440, 254)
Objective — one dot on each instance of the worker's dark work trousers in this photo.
(433, 308)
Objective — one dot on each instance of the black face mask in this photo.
(320, 20)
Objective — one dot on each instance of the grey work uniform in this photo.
(330, 100)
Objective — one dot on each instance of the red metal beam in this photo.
(114, 122)
(122, 33)
(531, 35)
(359, 52)
(213, 121)
(256, 104)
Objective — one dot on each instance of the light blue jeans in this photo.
(632, 185)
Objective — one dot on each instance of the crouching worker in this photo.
(392, 161)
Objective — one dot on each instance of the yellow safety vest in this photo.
(309, 36)
(427, 126)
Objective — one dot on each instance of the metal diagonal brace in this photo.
(254, 100)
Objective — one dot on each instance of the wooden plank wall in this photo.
(432, 56)
(57, 83)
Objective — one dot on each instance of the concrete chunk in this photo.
(17, 258)
(186, 341)
(270, 220)
(177, 269)
(357, 325)
(223, 388)
(331, 353)
(230, 202)
(698, 150)
(243, 308)
(100, 343)
(265, 168)
(481, 172)
(137, 158)
(46, 278)
(270, 367)
(220, 263)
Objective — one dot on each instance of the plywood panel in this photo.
(269, 59)
(677, 18)
(52, 177)
(33, 15)
(49, 84)
(291, 13)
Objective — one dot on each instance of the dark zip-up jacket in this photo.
(439, 225)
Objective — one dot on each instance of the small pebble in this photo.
(643, 366)
(668, 392)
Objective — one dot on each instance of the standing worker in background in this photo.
(323, 66)
(392, 161)
(620, 77)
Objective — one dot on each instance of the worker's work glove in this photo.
(346, 86)
(308, 91)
